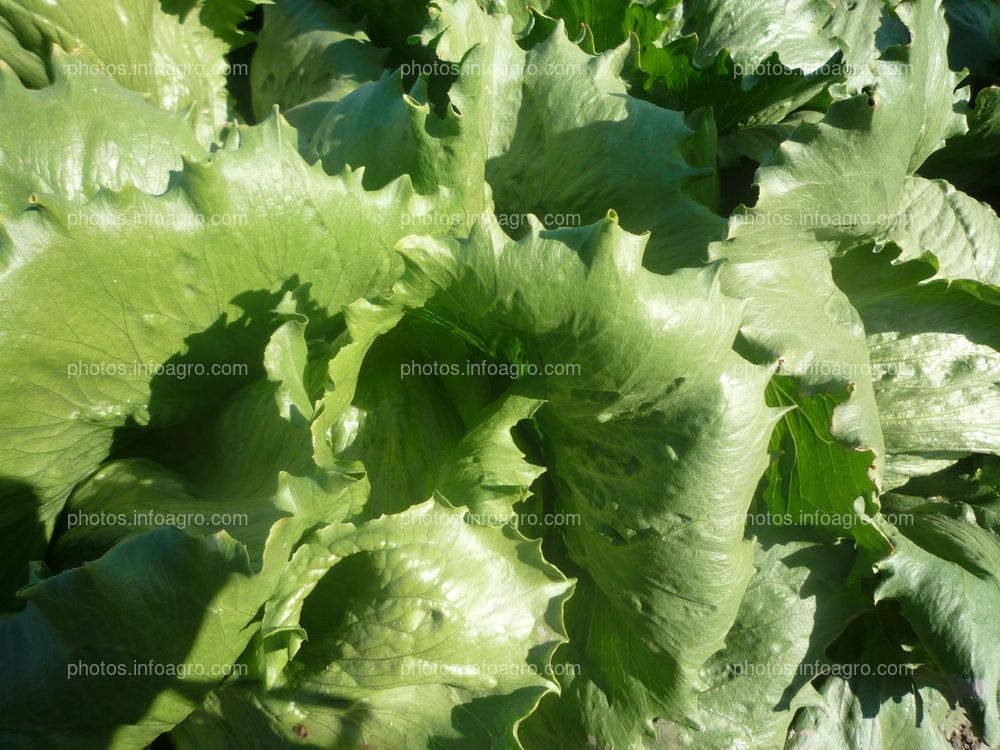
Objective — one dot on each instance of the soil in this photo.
(964, 738)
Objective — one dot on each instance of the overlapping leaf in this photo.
(253, 219)
(178, 64)
(82, 133)
(102, 657)
(416, 608)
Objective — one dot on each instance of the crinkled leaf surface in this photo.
(777, 248)
(414, 609)
(434, 148)
(872, 713)
(804, 33)
(737, 98)
(795, 605)
(253, 453)
(82, 133)
(309, 56)
(813, 479)
(945, 573)
(953, 231)
(528, 116)
(935, 350)
(252, 219)
(433, 626)
(673, 402)
(967, 160)
(233, 519)
(82, 672)
(564, 114)
(178, 64)
(659, 391)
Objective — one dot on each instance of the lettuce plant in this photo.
(479, 374)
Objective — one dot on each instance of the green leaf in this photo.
(657, 390)
(878, 691)
(237, 511)
(255, 218)
(251, 456)
(648, 168)
(957, 234)
(309, 56)
(487, 472)
(974, 480)
(525, 119)
(776, 249)
(804, 33)
(456, 303)
(414, 609)
(759, 142)
(901, 468)
(795, 605)
(936, 352)
(795, 313)
(967, 160)
(908, 80)
(286, 359)
(410, 410)
(813, 479)
(178, 65)
(975, 37)
(945, 573)
(763, 94)
(392, 132)
(223, 17)
(82, 133)
(874, 713)
(608, 24)
(109, 656)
